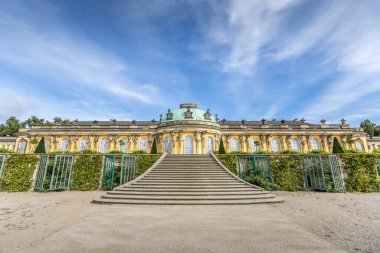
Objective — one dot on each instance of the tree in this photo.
(154, 147)
(57, 121)
(221, 147)
(40, 149)
(377, 131)
(337, 148)
(33, 121)
(12, 126)
(368, 127)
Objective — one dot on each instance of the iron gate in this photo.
(128, 169)
(108, 172)
(62, 171)
(254, 164)
(2, 162)
(41, 172)
(322, 172)
(378, 166)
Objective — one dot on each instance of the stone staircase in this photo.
(187, 180)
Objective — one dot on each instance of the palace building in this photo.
(190, 130)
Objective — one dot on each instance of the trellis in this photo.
(118, 170)
(62, 171)
(255, 164)
(41, 172)
(2, 161)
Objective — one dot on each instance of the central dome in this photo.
(188, 111)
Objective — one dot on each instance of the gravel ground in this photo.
(305, 222)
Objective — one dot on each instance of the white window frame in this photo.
(234, 145)
(255, 148)
(315, 144)
(22, 146)
(275, 145)
(83, 144)
(210, 144)
(295, 145)
(103, 146)
(168, 144)
(189, 145)
(359, 145)
(143, 144)
(64, 145)
(123, 148)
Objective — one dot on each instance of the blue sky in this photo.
(242, 59)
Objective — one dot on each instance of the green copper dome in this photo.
(188, 112)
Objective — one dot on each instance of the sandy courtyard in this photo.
(305, 222)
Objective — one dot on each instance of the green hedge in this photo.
(18, 172)
(230, 162)
(144, 162)
(362, 174)
(287, 172)
(86, 173)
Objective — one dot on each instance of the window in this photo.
(103, 145)
(210, 146)
(255, 145)
(22, 146)
(46, 145)
(123, 145)
(359, 145)
(295, 145)
(167, 145)
(234, 145)
(314, 144)
(275, 145)
(188, 145)
(83, 144)
(142, 144)
(64, 145)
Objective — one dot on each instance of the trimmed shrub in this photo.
(116, 152)
(229, 161)
(86, 173)
(144, 162)
(362, 174)
(40, 149)
(287, 172)
(5, 150)
(222, 150)
(263, 182)
(18, 172)
(154, 147)
(337, 148)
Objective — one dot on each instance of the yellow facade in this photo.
(191, 130)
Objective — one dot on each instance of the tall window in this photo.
(103, 145)
(275, 145)
(142, 144)
(255, 145)
(234, 145)
(64, 145)
(46, 145)
(167, 145)
(123, 145)
(359, 145)
(314, 144)
(188, 145)
(22, 146)
(295, 145)
(210, 144)
(83, 144)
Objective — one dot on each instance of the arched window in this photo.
(123, 145)
(167, 145)
(83, 144)
(142, 144)
(64, 145)
(188, 145)
(295, 145)
(103, 145)
(255, 145)
(22, 146)
(234, 145)
(359, 145)
(314, 144)
(46, 145)
(210, 144)
(275, 145)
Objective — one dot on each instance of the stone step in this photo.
(157, 197)
(192, 190)
(169, 193)
(200, 183)
(185, 178)
(187, 202)
(215, 187)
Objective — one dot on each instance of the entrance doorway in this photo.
(188, 145)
